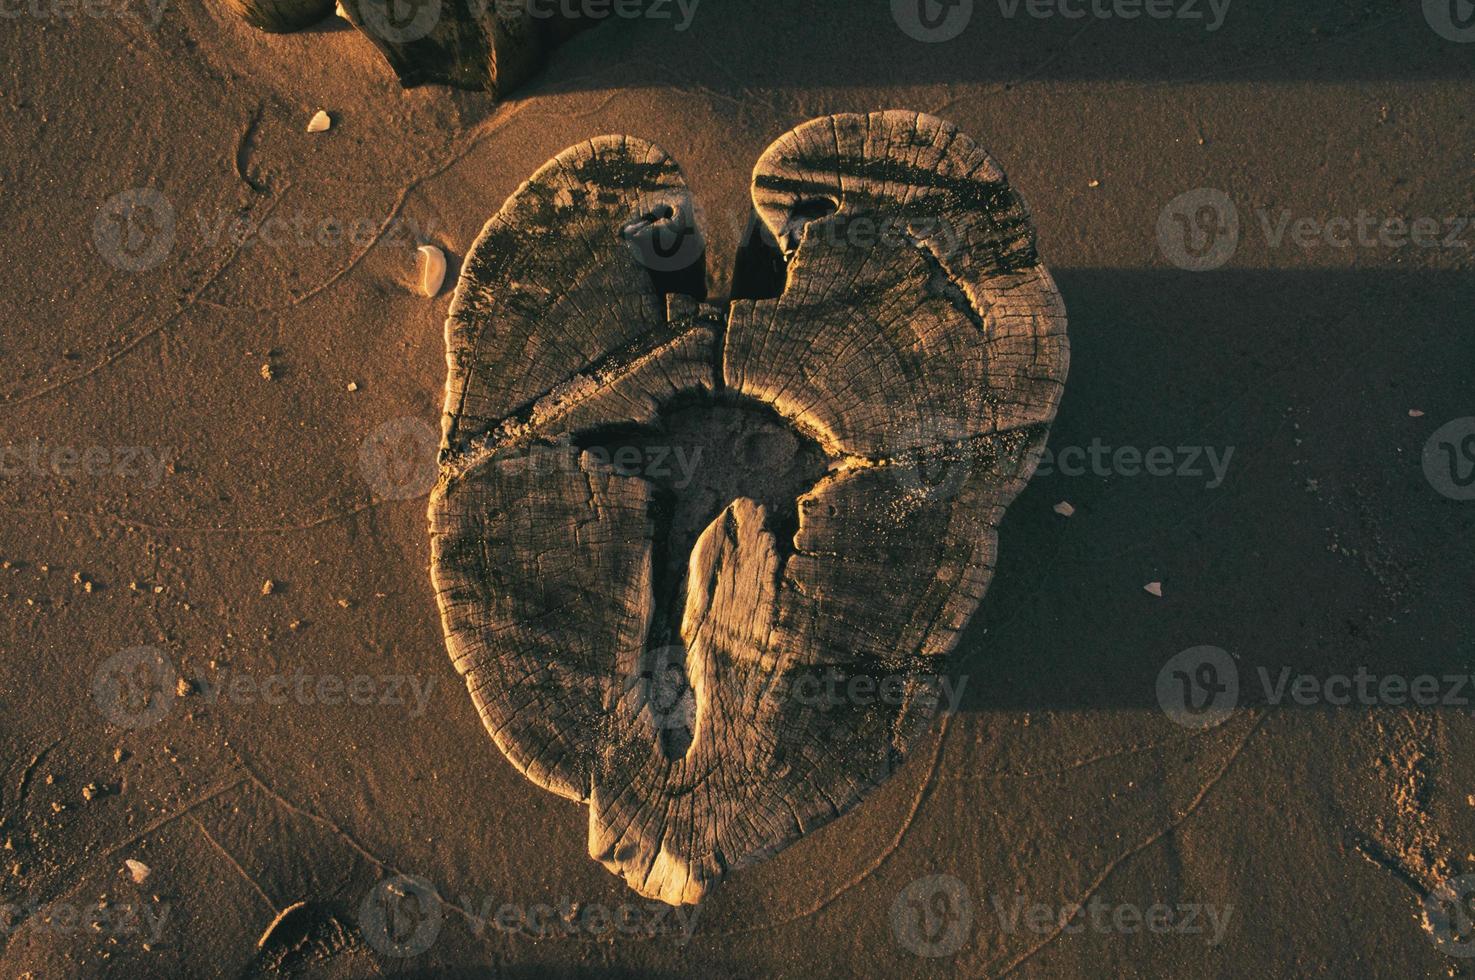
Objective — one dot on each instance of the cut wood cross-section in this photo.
(701, 568)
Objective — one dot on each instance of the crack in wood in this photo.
(646, 639)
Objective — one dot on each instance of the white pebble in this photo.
(138, 870)
(321, 123)
(432, 270)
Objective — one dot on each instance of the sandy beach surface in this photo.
(215, 470)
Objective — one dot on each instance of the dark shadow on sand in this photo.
(1324, 549)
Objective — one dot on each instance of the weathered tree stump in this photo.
(668, 650)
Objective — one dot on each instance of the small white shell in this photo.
(432, 270)
(321, 123)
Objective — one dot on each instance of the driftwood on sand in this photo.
(719, 657)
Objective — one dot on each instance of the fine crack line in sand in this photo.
(65, 887)
(131, 523)
(244, 147)
(380, 865)
(23, 787)
(183, 307)
(1401, 871)
(923, 792)
(487, 128)
(1060, 770)
(169, 818)
(1112, 866)
(231, 858)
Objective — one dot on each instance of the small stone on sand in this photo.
(137, 870)
(353, 386)
(1154, 588)
(432, 270)
(320, 123)
(1064, 509)
(268, 587)
(1414, 413)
